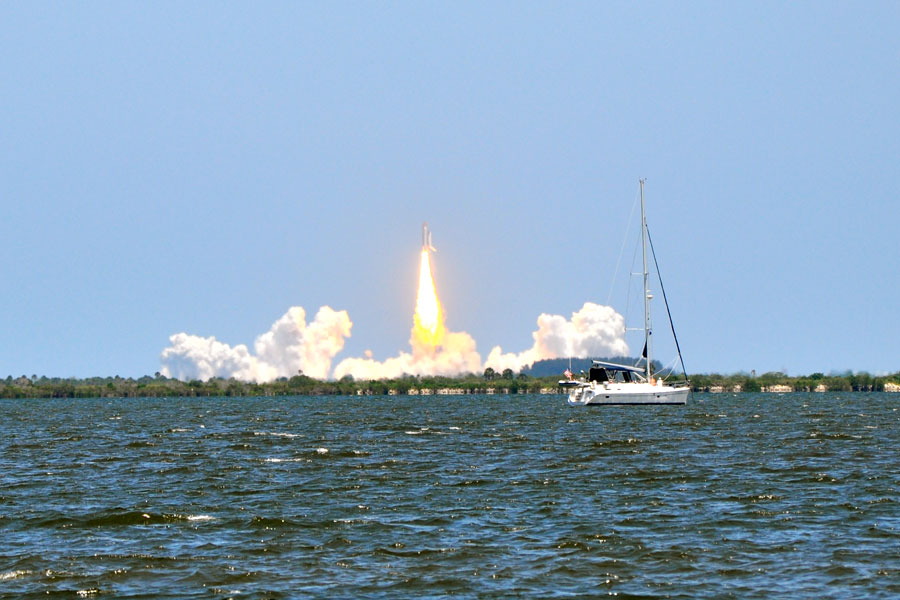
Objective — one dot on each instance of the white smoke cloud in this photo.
(194, 357)
(594, 330)
(289, 346)
(456, 354)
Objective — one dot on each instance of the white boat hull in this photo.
(627, 393)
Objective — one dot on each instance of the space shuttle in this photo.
(426, 239)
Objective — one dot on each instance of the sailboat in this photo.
(610, 383)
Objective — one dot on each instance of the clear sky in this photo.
(203, 166)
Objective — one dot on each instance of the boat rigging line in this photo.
(612, 285)
(662, 288)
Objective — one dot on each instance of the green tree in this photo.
(750, 384)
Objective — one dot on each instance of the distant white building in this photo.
(778, 388)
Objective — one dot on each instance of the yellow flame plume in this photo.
(428, 323)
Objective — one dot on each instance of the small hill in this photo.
(555, 366)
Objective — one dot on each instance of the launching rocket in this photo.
(426, 239)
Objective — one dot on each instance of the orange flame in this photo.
(428, 322)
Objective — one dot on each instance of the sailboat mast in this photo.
(646, 282)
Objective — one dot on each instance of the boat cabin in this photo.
(602, 372)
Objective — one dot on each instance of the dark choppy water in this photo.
(747, 496)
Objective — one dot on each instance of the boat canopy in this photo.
(615, 367)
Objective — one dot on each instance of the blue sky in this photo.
(201, 167)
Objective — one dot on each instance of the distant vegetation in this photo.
(506, 382)
(844, 382)
(162, 387)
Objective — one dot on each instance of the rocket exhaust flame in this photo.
(428, 322)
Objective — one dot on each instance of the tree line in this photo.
(843, 382)
(159, 386)
(505, 382)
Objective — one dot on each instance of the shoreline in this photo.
(159, 386)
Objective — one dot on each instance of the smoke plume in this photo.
(291, 345)
(594, 330)
(456, 354)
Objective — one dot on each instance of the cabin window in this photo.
(599, 374)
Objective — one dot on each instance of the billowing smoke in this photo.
(291, 345)
(455, 355)
(594, 330)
